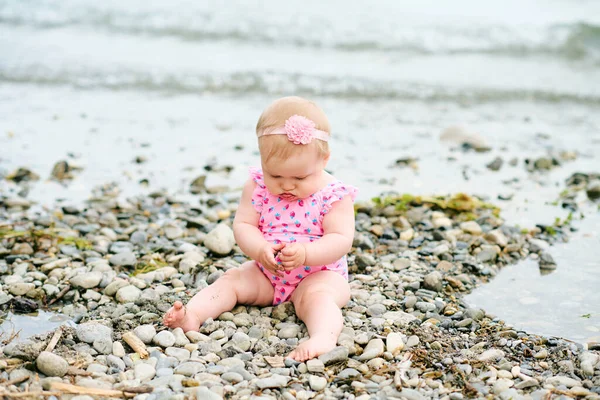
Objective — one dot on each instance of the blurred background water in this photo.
(182, 84)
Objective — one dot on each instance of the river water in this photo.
(100, 83)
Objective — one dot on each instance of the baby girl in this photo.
(296, 222)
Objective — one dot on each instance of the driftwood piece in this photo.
(60, 295)
(136, 344)
(58, 389)
(54, 341)
(74, 389)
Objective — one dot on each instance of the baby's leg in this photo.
(243, 285)
(318, 300)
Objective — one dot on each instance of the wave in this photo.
(277, 83)
(572, 41)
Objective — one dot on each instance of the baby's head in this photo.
(293, 164)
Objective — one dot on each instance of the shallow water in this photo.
(27, 325)
(99, 84)
(564, 302)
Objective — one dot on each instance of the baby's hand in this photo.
(266, 258)
(293, 256)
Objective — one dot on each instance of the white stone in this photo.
(317, 383)
(491, 355)
(128, 294)
(87, 280)
(144, 372)
(394, 343)
(220, 240)
(471, 227)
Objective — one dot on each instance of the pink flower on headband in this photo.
(299, 129)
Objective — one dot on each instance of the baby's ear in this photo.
(326, 159)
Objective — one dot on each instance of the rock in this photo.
(189, 368)
(394, 343)
(374, 348)
(198, 185)
(19, 289)
(145, 332)
(173, 231)
(502, 385)
(289, 331)
(205, 393)
(538, 245)
(491, 355)
(463, 136)
(400, 318)
(22, 248)
(433, 281)
(273, 382)
(115, 362)
(315, 365)
(144, 372)
(317, 383)
(113, 287)
(125, 258)
(588, 361)
(593, 190)
(103, 345)
(89, 332)
(241, 340)
(139, 238)
(180, 338)
(232, 377)
(563, 380)
(496, 237)
(364, 260)
(118, 350)
(51, 365)
(411, 394)
(87, 280)
(338, 354)
(408, 234)
(348, 373)
(547, 261)
(164, 339)
(541, 354)
(496, 164)
(22, 174)
(128, 294)
(220, 240)
(471, 227)
(412, 341)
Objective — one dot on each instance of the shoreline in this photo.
(407, 334)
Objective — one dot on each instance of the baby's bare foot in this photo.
(313, 347)
(179, 317)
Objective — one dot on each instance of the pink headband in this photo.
(299, 130)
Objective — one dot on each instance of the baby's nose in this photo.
(287, 186)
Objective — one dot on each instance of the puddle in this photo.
(564, 303)
(31, 324)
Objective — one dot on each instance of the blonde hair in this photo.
(275, 116)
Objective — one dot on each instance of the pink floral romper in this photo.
(299, 220)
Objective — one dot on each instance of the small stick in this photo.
(29, 394)
(74, 389)
(54, 341)
(16, 381)
(136, 344)
(78, 372)
(60, 295)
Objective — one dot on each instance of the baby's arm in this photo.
(247, 234)
(338, 234)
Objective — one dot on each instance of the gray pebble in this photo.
(51, 364)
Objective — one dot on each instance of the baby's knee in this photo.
(232, 275)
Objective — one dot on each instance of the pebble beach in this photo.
(470, 128)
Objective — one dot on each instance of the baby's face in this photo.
(296, 177)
